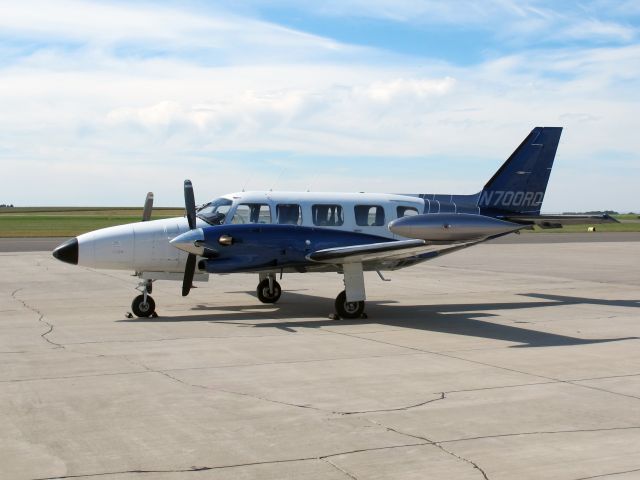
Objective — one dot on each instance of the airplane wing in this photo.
(394, 250)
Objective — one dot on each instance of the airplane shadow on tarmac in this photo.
(458, 319)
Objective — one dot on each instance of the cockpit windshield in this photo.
(215, 212)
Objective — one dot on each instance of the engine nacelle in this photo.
(451, 227)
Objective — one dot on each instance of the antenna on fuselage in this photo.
(248, 181)
(275, 184)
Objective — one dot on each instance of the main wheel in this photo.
(346, 309)
(141, 308)
(266, 296)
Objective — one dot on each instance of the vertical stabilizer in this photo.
(520, 183)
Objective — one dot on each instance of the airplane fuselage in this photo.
(145, 247)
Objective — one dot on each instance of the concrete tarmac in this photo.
(504, 361)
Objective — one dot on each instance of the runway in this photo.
(503, 361)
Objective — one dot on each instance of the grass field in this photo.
(72, 221)
(69, 222)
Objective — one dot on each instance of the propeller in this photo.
(148, 206)
(190, 207)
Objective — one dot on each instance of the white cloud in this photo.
(593, 28)
(514, 21)
(412, 89)
(150, 29)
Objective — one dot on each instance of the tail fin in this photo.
(520, 183)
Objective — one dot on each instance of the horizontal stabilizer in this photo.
(557, 221)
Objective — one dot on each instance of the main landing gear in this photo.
(345, 309)
(350, 302)
(268, 289)
(143, 305)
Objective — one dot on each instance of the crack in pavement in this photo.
(603, 377)
(550, 432)
(609, 474)
(235, 465)
(398, 409)
(498, 387)
(67, 377)
(591, 387)
(470, 462)
(40, 319)
(278, 402)
(340, 469)
(435, 444)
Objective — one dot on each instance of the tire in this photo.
(142, 309)
(263, 291)
(346, 309)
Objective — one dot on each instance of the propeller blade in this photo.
(190, 204)
(190, 267)
(189, 271)
(148, 206)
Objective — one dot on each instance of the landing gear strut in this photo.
(143, 305)
(350, 302)
(268, 289)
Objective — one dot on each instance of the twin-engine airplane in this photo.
(271, 233)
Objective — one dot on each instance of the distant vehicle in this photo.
(273, 233)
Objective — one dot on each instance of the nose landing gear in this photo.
(269, 290)
(143, 305)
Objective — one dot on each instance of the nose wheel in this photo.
(143, 305)
(269, 290)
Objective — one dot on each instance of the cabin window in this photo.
(406, 211)
(252, 213)
(327, 215)
(289, 214)
(369, 215)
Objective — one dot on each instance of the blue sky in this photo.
(103, 101)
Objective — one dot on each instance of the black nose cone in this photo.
(67, 252)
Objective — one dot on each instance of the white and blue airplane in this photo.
(272, 233)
